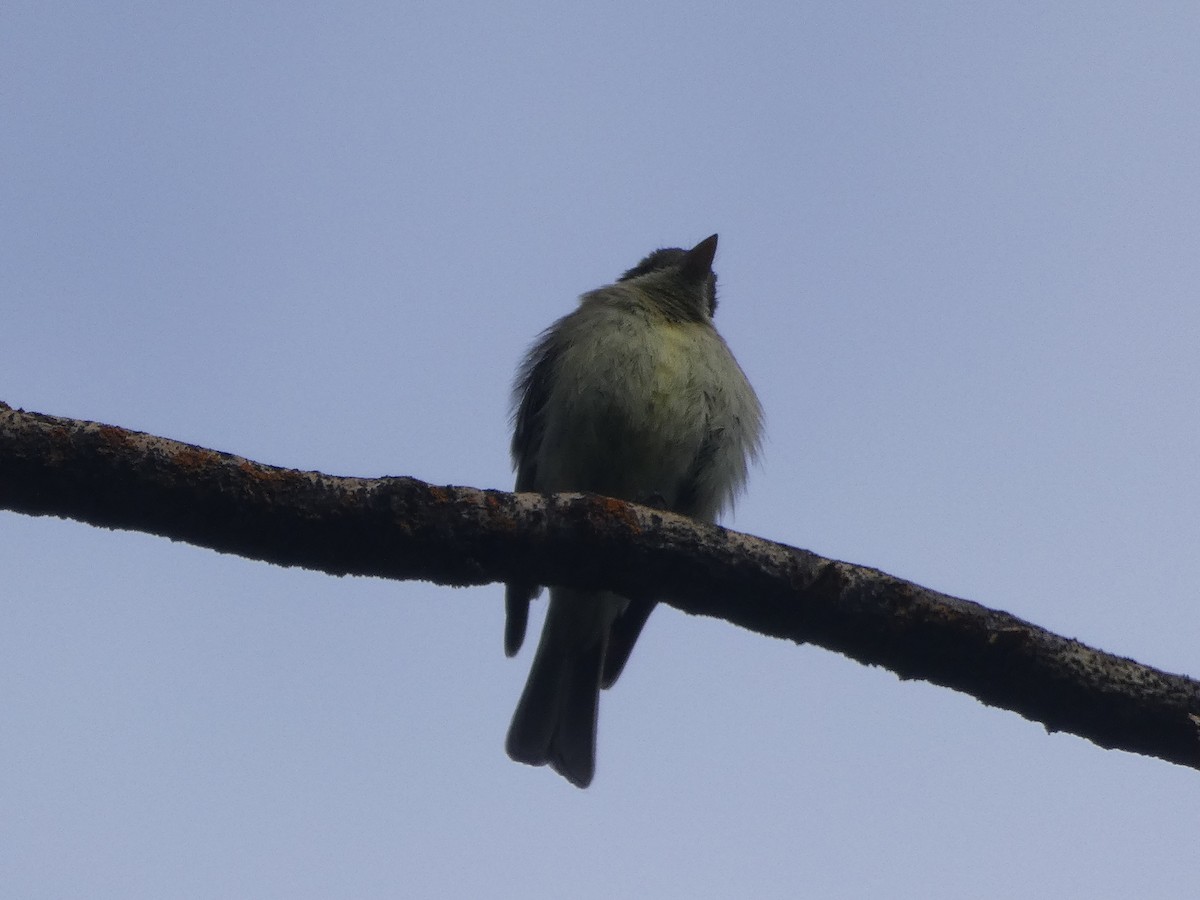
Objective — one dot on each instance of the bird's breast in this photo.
(632, 413)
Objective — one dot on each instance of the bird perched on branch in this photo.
(634, 395)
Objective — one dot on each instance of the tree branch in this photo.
(403, 528)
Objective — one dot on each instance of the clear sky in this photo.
(959, 258)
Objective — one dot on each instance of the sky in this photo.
(958, 260)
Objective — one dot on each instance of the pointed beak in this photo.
(697, 263)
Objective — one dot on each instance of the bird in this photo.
(633, 395)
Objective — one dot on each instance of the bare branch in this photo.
(406, 529)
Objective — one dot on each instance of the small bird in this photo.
(634, 395)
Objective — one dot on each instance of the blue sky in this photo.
(958, 261)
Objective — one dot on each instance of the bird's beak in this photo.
(697, 262)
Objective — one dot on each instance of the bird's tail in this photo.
(555, 721)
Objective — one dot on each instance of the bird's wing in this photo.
(529, 402)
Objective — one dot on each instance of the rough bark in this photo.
(403, 528)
